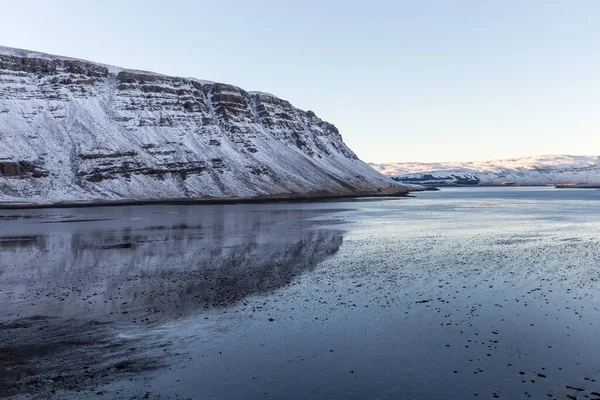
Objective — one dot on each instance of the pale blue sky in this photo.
(402, 80)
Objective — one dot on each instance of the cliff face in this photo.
(528, 171)
(73, 130)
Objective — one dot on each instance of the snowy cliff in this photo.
(528, 171)
(73, 130)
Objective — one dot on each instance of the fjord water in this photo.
(459, 293)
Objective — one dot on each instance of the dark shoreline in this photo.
(202, 201)
(438, 187)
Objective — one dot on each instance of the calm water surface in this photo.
(461, 293)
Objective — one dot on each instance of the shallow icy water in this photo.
(461, 293)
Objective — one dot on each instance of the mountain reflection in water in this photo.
(69, 279)
(186, 262)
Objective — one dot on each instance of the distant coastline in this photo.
(549, 170)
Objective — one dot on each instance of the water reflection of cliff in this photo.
(79, 287)
(161, 265)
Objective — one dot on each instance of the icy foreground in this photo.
(528, 171)
(73, 130)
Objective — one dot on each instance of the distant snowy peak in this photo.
(534, 171)
(74, 130)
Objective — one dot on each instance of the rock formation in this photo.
(73, 130)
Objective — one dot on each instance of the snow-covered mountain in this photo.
(528, 171)
(73, 130)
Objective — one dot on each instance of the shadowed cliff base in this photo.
(280, 198)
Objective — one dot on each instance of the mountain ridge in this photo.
(77, 131)
(567, 170)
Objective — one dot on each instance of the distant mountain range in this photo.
(562, 170)
(79, 131)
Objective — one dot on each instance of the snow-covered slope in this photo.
(73, 130)
(532, 171)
